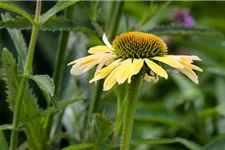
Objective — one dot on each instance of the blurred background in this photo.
(171, 108)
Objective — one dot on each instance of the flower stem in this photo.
(28, 70)
(61, 52)
(130, 106)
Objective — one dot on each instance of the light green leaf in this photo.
(79, 146)
(6, 127)
(58, 7)
(187, 143)
(180, 30)
(45, 83)
(3, 142)
(218, 144)
(14, 8)
(55, 102)
(19, 43)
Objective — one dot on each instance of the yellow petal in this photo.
(136, 66)
(169, 61)
(191, 66)
(147, 78)
(105, 71)
(156, 68)
(99, 49)
(190, 74)
(85, 59)
(124, 71)
(110, 80)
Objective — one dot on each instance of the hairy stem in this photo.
(28, 70)
(130, 106)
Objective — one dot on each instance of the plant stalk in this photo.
(130, 106)
(23, 83)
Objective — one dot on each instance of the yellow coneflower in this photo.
(130, 54)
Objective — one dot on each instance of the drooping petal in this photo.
(110, 80)
(169, 61)
(78, 68)
(194, 67)
(189, 58)
(85, 59)
(105, 71)
(156, 68)
(136, 66)
(190, 74)
(99, 49)
(124, 71)
(105, 40)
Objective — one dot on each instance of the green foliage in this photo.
(180, 30)
(12, 7)
(58, 7)
(19, 43)
(79, 146)
(3, 143)
(216, 144)
(100, 128)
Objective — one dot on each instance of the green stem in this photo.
(28, 69)
(130, 106)
(61, 53)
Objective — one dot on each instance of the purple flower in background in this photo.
(182, 17)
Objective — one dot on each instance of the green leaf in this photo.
(19, 43)
(3, 143)
(100, 128)
(45, 83)
(6, 127)
(218, 144)
(58, 7)
(14, 8)
(187, 143)
(180, 30)
(79, 146)
(35, 130)
(53, 24)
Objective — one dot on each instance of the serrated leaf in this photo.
(180, 30)
(29, 108)
(9, 6)
(100, 128)
(79, 146)
(3, 143)
(5, 127)
(45, 83)
(19, 43)
(58, 7)
(218, 144)
(187, 143)
(55, 102)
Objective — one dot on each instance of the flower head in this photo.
(132, 53)
(182, 17)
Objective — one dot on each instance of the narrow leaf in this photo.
(58, 7)
(44, 82)
(180, 30)
(19, 43)
(79, 146)
(14, 8)
(3, 143)
(187, 143)
(6, 127)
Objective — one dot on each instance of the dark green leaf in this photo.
(79, 146)
(58, 7)
(12, 7)
(100, 128)
(180, 30)
(19, 43)
(3, 143)
(189, 144)
(218, 144)
(45, 83)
